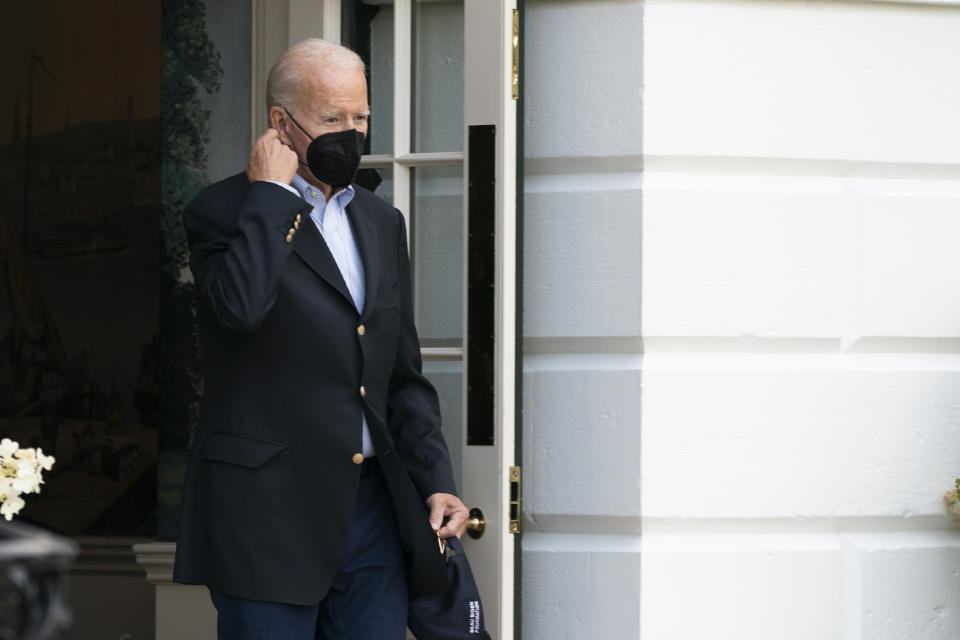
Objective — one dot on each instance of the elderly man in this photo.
(312, 367)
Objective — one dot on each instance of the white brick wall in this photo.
(742, 431)
(801, 377)
(582, 312)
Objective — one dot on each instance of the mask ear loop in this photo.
(306, 133)
(297, 123)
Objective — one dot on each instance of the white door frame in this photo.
(488, 43)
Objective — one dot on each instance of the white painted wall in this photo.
(744, 430)
(582, 363)
(801, 376)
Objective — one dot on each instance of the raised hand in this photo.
(270, 159)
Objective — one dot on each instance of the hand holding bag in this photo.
(444, 599)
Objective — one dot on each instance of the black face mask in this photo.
(333, 158)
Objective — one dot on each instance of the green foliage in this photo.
(190, 61)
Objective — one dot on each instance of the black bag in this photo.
(426, 568)
(456, 614)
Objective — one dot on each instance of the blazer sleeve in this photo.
(236, 256)
(413, 408)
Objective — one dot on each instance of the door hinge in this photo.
(514, 499)
(516, 54)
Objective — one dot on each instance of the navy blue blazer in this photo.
(289, 366)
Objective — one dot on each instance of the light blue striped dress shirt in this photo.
(334, 225)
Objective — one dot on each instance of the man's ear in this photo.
(279, 121)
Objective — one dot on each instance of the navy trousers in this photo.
(367, 600)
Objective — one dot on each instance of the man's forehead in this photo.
(318, 81)
(322, 109)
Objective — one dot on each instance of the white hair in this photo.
(286, 82)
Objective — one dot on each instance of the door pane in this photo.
(437, 253)
(437, 91)
(368, 29)
(447, 377)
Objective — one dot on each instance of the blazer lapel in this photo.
(365, 234)
(313, 249)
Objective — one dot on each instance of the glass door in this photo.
(442, 148)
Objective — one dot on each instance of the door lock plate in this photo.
(514, 499)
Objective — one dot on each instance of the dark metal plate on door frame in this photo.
(481, 281)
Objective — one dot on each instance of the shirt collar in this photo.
(313, 194)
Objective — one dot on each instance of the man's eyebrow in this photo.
(365, 112)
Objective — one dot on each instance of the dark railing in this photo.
(33, 583)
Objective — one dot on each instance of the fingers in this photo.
(448, 515)
(436, 515)
(456, 525)
(271, 159)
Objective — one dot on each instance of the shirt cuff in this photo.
(285, 186)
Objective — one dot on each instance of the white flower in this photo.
(45, 461)
(26, 454)
(8, 447)
(6, 488)
(11, 506)
(27, 480)
(20, 472)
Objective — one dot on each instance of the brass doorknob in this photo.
(476, 524)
